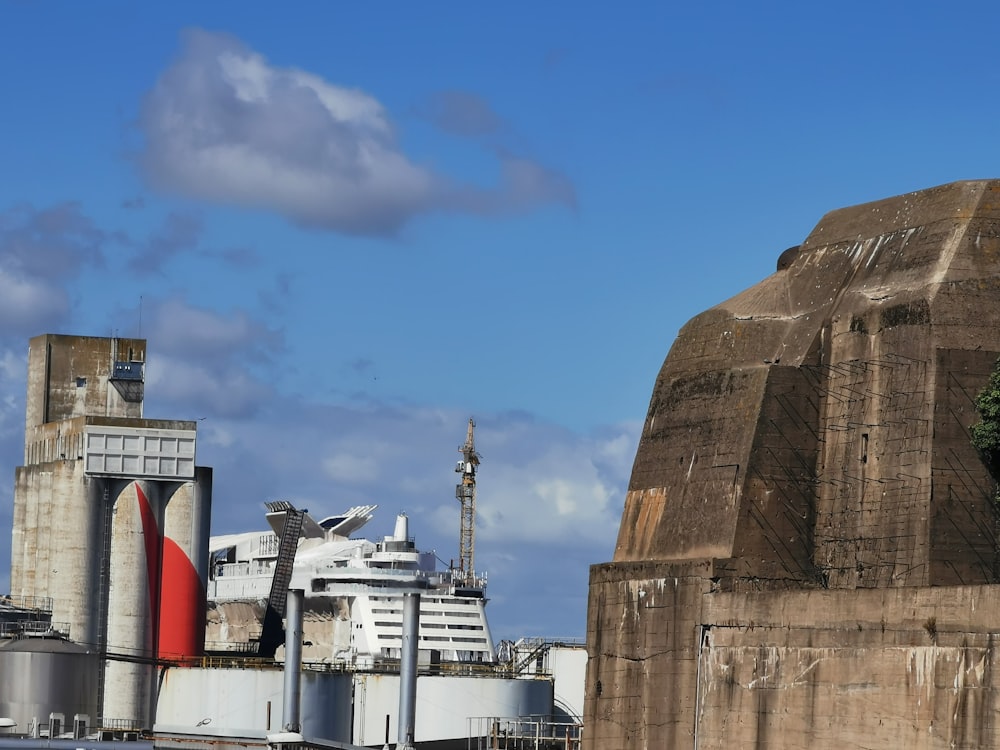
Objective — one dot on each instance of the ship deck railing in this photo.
(256, 568)
(244, 569)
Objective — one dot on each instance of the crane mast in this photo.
(465, 492)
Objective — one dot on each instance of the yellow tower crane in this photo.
(465, 492)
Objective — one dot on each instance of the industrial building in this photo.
(808, 554)
(110, 535)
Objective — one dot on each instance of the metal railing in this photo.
(245, 659)
(244, 569)
(37, 603)
(523, 733)
(118, 725)
(33, 628)
(223, 649)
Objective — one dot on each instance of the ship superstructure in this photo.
(354, 592)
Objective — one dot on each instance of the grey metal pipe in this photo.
(293, 660)
(406, 724)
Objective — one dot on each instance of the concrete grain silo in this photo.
(110, 516)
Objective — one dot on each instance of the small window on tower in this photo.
(81, 382)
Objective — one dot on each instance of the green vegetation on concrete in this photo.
(986, 432)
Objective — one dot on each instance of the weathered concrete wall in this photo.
(326, 627)
(808, 438)
(643, 625)
(895, 667)
(70, 376)
(55, 551)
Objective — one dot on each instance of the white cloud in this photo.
(13, 366)
(13, 371)
(204, 389)
(11, 417)
(568, 498)
(462, 113)
(224, 125)
(347, 467)
(208, 363)
(40, 250)
(218, 435)
(182, 328)
(27, 303)
(558, 495)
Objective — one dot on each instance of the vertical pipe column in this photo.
(406, 724)
(293, 660)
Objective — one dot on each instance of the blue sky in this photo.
(351, 227)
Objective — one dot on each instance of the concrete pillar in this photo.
(184, 569)
(133, 598)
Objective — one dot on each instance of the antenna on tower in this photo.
(465, 492)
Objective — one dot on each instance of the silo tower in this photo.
(111, 516)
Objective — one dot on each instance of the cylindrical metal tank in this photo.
(444, 704)
(235, 700)
(41, 676)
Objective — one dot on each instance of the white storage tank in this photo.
(43, 676)
(444, 704)
(234, 700)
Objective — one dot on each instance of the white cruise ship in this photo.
(354, 592)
